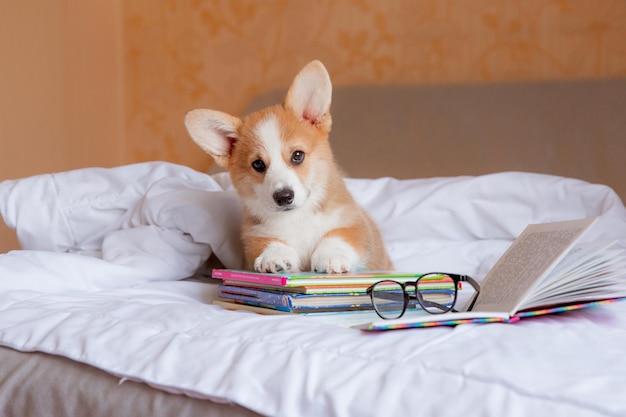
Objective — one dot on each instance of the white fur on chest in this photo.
(300, 229)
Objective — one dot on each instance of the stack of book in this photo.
(302, 292)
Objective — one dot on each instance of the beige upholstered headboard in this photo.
(568, 128)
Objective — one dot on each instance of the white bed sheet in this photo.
(105, 249)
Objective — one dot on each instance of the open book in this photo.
(544, 271)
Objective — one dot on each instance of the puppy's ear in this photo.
(215, 132)
(310, 94)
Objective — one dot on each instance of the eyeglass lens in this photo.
(437, 292)
(388, 299)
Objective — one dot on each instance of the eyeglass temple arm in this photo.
(426, 303)
(476, 287)
(386, 296)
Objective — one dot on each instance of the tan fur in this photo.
(323, 228)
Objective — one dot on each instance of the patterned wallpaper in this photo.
(183, 54)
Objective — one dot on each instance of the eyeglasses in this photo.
(436, 293)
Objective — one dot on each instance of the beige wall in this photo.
(107, 82)
(61, 97)
(61, 90)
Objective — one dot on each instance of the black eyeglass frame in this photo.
(426, 305)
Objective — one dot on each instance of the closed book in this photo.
(356, 289)
(292, 302)
(299, 279)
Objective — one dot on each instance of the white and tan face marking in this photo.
(282, 188)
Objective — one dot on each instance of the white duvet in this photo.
(99, 281)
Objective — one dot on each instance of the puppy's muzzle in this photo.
(283, 197)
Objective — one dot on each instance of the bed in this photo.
(107, 309)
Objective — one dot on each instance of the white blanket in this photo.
(98, 281)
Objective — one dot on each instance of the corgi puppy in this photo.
(298, 213)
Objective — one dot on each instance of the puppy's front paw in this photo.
(334, 256)
(277, 258)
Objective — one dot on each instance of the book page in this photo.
(530, 258)
(594, 272)
(582, 261)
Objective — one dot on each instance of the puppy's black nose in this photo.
(283, 197)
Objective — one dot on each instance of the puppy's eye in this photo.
(258, 165)
(297, 157)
